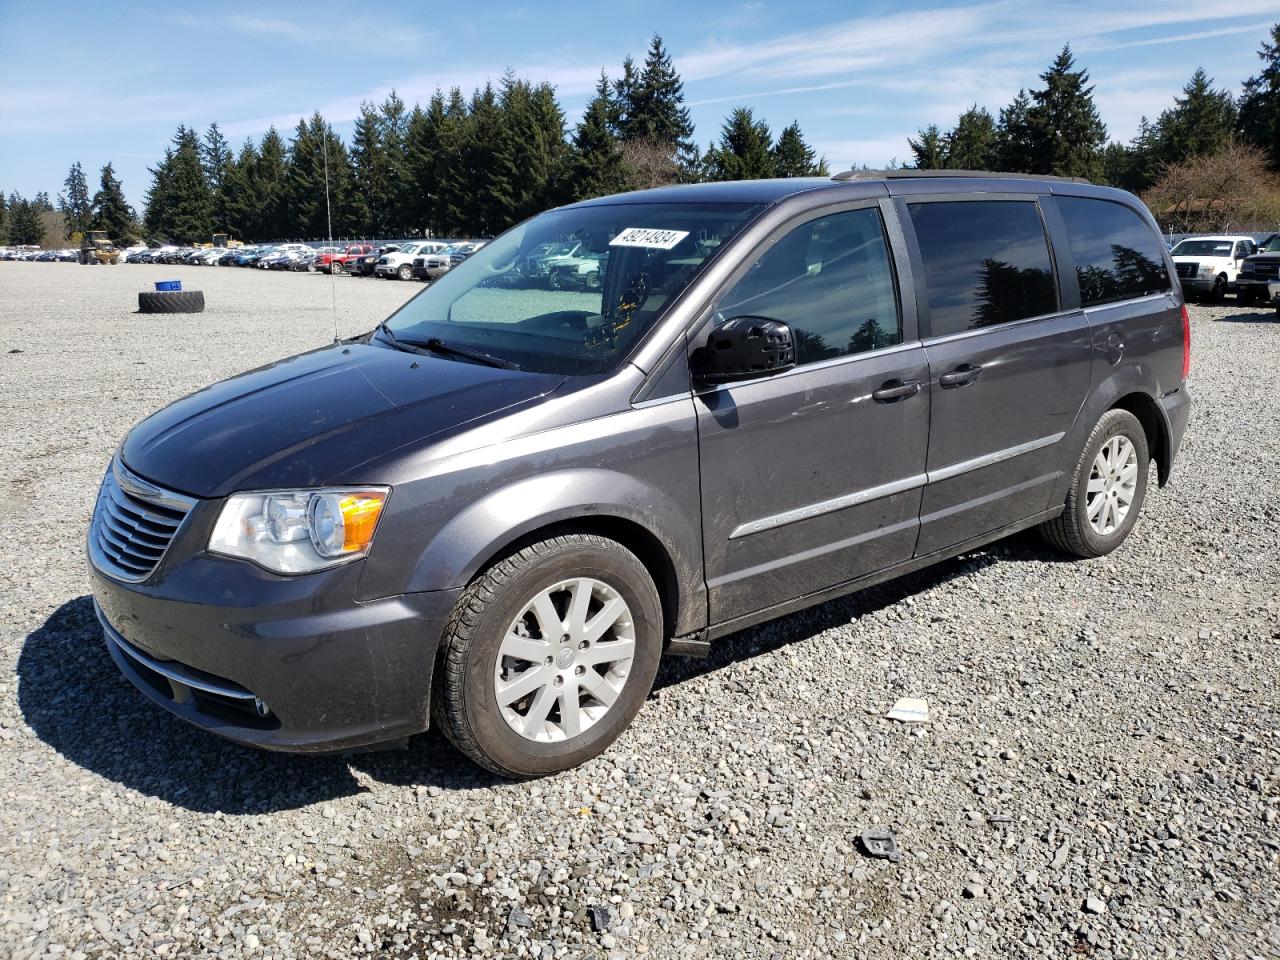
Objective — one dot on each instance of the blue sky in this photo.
(95, 82)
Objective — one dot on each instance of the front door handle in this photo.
(892, 390)
(961, 376)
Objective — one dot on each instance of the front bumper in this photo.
(212, 640)
(1264, 289)
(1191, 285)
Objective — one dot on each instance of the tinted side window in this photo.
(985, 262)
(1118, 256)
(831, 281)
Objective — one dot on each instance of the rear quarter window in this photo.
(1117, 254)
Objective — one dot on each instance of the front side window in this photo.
(986, 262)
(1118, 256)
(831, 281)
(571, 291)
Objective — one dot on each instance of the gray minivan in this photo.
(502, 506)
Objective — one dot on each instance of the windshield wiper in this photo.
(436, 345)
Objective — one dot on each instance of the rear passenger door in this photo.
(1009, 367)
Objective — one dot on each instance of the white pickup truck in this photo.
(399, 263)
(1208, 266)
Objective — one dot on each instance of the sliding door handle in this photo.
(961, 376)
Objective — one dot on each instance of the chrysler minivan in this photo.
(499, 509)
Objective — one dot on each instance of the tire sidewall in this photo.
(623, 572)
(1117, 422)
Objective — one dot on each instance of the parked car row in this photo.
(66, 255)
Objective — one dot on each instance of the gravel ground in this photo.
(1101, 775)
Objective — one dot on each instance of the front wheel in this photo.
(405, 272)
(335, 268)
(1219, 291)
(1107, 489)
(1244, 296)
(548, 656)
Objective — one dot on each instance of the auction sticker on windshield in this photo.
(648, 237)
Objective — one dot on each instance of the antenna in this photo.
(328, 212)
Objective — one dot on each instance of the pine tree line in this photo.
(457, 166)
(1057, 130)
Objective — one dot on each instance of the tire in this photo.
(1072, 531)
(593, 280)
(1244, 297)
(335, 268)
(405, 272)
(496, 607)
(171, 301)
(1219, 291)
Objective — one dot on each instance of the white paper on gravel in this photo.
(910, 710)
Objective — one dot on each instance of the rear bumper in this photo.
(214, 641)
(1176, 409)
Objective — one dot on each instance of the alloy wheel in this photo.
(1113, 482)
(564, 660)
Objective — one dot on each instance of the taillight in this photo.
(1186, 342)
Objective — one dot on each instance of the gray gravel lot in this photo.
(1101, 775)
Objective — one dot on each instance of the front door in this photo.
(1008, 368)
(812, 477)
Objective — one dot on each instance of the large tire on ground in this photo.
(548, 656)
(171, 301)
(405, 272)
(1107, 489)
(1244, 296)
(335, 269)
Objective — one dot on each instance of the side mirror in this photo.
(744, 348)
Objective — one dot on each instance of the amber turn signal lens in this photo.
(360, 513)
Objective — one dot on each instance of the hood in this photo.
(311, 419)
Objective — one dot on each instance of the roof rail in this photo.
(914, 174)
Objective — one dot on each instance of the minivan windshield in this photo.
(571, 291)
(1202, 248)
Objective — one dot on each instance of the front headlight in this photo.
(298, 531)
(1247, 267)
(1206, 270)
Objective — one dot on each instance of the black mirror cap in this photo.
(744, 348)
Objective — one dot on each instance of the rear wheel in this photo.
(548, 656)
(1107, 489)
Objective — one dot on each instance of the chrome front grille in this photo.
(133, 523)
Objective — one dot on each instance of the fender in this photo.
(1133, 378)
(594, 498)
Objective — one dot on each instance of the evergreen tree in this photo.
(972, 144)
(1200, 122)
(487, 198)
(22, 221)
(317, 182)
(372, 178)
(450, 174)
(269, 186)
(240, 189)
(75, 204)
(624, 98)
(421, 143)
(1014, 146)
(792, 157)
(596, 169)
(1067, 135)
(652, 104)
(393, 121)
(529, 159)
(215, 159)
(4, 212)
(930, 149)
(179, 204)
(41, 203)
(111, 212)
(1259, 109)
(744, 151)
